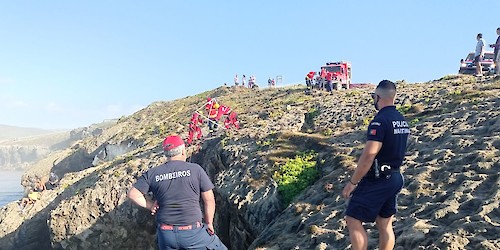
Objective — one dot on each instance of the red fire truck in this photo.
(341, 73)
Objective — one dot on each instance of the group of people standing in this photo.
(271, 82)
(370, 192)
(252, 83)
(479, 53)
(324, 81)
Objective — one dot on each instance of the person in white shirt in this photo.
(496, 46)
(479, 53)
(251, 83)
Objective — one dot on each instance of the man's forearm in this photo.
(365, 160)
(138, 198)
(143, 202)
(209, 207)
(364, 165)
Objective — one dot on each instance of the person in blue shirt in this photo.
(177, 186)
(376, 182)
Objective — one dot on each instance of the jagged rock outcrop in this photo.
(19, 157)
(244, 210)
(450, 200)
(22, 153)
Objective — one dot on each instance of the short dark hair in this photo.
(386, 84)
(498, 28)
(480, 35)
(386, 89)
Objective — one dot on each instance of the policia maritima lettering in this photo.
(373, 188)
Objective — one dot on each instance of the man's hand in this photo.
(364, 164)
(154, 208)
(349, 187)
(210, 229)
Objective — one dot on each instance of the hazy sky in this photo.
(67, 64)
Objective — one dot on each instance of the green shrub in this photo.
(309, 119)
(224, 141)
(264, 142)
(276, 113)
(414, 121)
(296, 175)
(328, 132)
(366, 121)
(313, 112)
(352, 94)
(456, 92)
(403, 109)
(448, 77)
(117, 173)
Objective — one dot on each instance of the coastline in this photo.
(10, 186)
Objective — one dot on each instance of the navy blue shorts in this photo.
(375, 197)
(197, 238)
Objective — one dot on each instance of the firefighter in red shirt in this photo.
(322, 78)
(309, 79)
(231, 117)
(329, 83)
(194, 128)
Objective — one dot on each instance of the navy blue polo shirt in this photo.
(177, 186)
(389, 127)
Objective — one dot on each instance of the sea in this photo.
(10, 186)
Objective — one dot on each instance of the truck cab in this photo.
(341, 72)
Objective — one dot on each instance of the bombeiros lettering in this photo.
(173, 175)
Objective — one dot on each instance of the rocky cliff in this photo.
(19, 152)
(450, 199)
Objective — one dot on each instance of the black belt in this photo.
(382, 176)
(381, 171)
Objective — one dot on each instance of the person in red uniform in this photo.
(212, 107)
(322, 78)
(309, 79)
(232, 120)
(194, 128)
(329, 83)
(231, 117)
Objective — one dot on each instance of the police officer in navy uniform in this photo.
(177, 186)
(373, 188)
